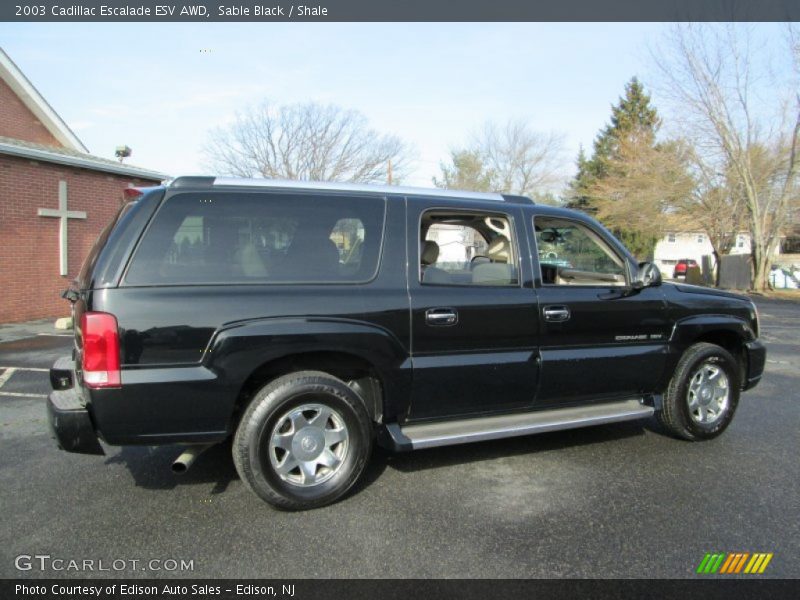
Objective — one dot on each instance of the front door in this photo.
(598, 339)
(473, 313)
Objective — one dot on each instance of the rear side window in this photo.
(260, 238)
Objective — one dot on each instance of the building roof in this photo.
(74, 158)
(35, 102)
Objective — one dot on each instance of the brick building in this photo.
(55, 198)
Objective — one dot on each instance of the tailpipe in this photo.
(185, 460)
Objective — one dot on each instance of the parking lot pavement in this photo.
(615, 501)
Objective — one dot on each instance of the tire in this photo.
(281, 427)
(696, 405)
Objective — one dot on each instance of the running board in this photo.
(447, 433)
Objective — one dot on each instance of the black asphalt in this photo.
(613, 501)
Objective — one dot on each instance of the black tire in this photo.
(254, 453)
(676, 415)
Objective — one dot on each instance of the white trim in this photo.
(63, 214)
(79, 162)
(36, 103)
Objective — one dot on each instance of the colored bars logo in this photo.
(734, 562)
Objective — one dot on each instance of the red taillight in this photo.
(131, 193)
(100, 350)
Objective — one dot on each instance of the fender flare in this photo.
(238, 349)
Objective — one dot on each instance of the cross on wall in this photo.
(64, 215)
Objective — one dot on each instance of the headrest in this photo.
(499, 249)
(429, 252)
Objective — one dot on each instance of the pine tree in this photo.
(634, 119)
(634, 123)
(580, 186)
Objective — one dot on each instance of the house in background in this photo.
(55, 199)
(695, 245)
(692, 245)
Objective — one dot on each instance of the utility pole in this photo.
(389, 173)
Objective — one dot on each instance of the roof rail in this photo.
(192, 181)
(209, 181)
(516, 199)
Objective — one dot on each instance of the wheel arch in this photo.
(357, 372)
(370, 359)
(728, 332)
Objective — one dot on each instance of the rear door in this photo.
(473, 310)
(599, 340)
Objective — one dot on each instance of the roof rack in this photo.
(210, 181)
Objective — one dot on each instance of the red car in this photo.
(682, 266)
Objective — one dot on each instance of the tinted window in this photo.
(572, 254)
(260, 238)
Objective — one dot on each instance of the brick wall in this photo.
(17, 122)
(30, 284)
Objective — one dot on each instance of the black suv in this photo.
(309, 321)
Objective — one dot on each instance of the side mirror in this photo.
(648, 275)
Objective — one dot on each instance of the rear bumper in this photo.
(756, 358)
(70, 422)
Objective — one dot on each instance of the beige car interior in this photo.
(499, 271)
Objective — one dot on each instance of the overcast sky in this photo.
(159, 88)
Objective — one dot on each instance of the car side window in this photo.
(570, 253)
(467, 249)
(255, 238)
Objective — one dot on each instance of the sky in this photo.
(160, 88)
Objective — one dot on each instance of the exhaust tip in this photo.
(187, 458)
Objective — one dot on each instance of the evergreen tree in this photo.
(634, 124)
(580, 186)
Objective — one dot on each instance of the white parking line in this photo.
(22, 395)
(8, 372)
(56, 334)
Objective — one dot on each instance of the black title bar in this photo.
(399, 10)
(716, 588)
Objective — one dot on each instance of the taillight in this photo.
(132, 193)
(100, 350)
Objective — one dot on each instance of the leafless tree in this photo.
(305, 142)
(715, 206)
(714, 74)
(523, 161)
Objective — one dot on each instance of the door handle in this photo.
(556, 314)
(441, 317)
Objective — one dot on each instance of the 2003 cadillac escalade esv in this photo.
(309, 321)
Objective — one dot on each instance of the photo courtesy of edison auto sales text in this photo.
(194, 589)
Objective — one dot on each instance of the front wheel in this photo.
(303, 441)
(703, 393)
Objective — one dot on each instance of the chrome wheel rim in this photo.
(709, 394)
(308, 445)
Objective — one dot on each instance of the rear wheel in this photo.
(703, 393)
(303, 441)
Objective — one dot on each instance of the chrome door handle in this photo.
(556, 314)
(441, 317)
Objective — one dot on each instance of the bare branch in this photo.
(306, 142)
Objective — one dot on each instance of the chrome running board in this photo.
(447, 433)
